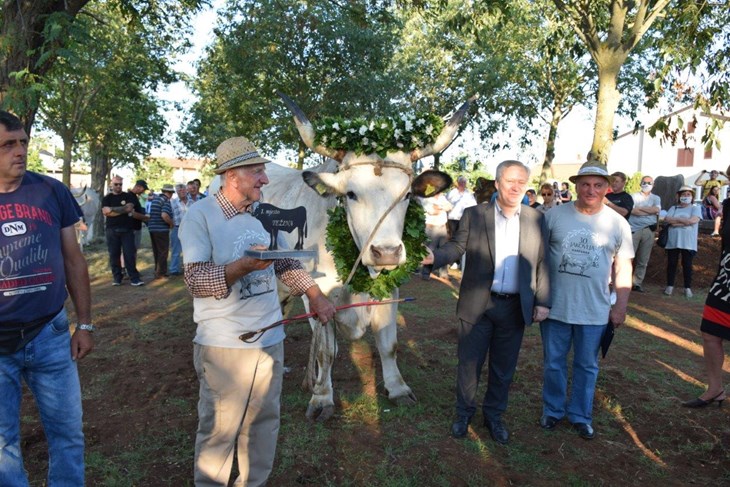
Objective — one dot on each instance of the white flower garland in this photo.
(406, 133)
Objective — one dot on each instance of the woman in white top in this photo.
(683, 219)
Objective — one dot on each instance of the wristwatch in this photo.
(86, 327)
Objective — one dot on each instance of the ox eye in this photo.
(352, 196)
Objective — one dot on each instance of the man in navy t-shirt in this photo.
(41, 264)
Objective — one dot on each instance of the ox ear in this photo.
(430, 183)
(325, 183)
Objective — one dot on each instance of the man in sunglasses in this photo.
(121, 209)
(643, 222)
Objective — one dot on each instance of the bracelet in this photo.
(86, 327)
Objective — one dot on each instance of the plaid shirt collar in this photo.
(229, 211)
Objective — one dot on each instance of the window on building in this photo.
(685, 157)
(708, 153)
(691, 126)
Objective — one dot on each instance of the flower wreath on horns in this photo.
(344, 251)
(403, 134)
(361, 136)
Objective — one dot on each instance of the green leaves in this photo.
(339, 241)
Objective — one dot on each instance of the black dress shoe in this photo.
(637, 288)
(460, 427)
(497, 430)
(548, 422)
(584, 430)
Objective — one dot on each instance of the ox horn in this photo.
(306, 131)
(446, 135)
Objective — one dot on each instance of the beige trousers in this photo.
(643, 242)
(239, 403)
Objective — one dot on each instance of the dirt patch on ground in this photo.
(140, 394)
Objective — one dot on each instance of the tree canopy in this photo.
(36, 34)
(685, 36)
(329, 58)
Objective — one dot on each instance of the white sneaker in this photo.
(687, 292)
(669, 290)
(613, 297)
(454, 266)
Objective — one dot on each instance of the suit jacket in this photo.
(475, 236)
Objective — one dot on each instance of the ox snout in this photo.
(386, 256)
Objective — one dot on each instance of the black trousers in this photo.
(499, 333)
(160, 249)
(118, 242)
(672, 261)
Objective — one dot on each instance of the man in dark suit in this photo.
(505, 286)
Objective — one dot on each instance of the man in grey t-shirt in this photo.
(585, 240)
(643, 221)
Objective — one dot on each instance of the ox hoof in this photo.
(320, 414)
(405, 400)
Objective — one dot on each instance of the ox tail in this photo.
(305, 230)
(320, 344)
(311, 376)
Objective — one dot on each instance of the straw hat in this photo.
(684, 188)
(592, 168)
(168, 188)
(235, 152)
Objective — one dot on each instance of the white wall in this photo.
(640, 152)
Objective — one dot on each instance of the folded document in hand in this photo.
(606, 339)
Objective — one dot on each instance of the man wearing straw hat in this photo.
(240, 382)
(585, 238)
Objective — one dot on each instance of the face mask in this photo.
(646, 188)
(685, 200)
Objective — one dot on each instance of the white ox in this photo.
(372, 188)
(89, 201)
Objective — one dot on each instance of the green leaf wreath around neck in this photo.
(342, 246)
(405, 133)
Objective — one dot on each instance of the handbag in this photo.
(661, 240)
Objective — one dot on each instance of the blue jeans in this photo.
(557, 338)
(176, 251)
(46, 366)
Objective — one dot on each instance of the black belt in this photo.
(504, 295)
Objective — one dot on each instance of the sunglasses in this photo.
(117, 184)
(545, 194)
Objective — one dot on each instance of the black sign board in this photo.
(275, 220)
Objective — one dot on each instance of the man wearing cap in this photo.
(159, 226)
(585, 239)
(240, 382)
(121, 209)
(643, 222)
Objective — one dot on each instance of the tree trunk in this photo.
(606, 106)
(24, 44)
(547, 163)
(66, 172)
(436, 161)
(99, 172)
(301, 153)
